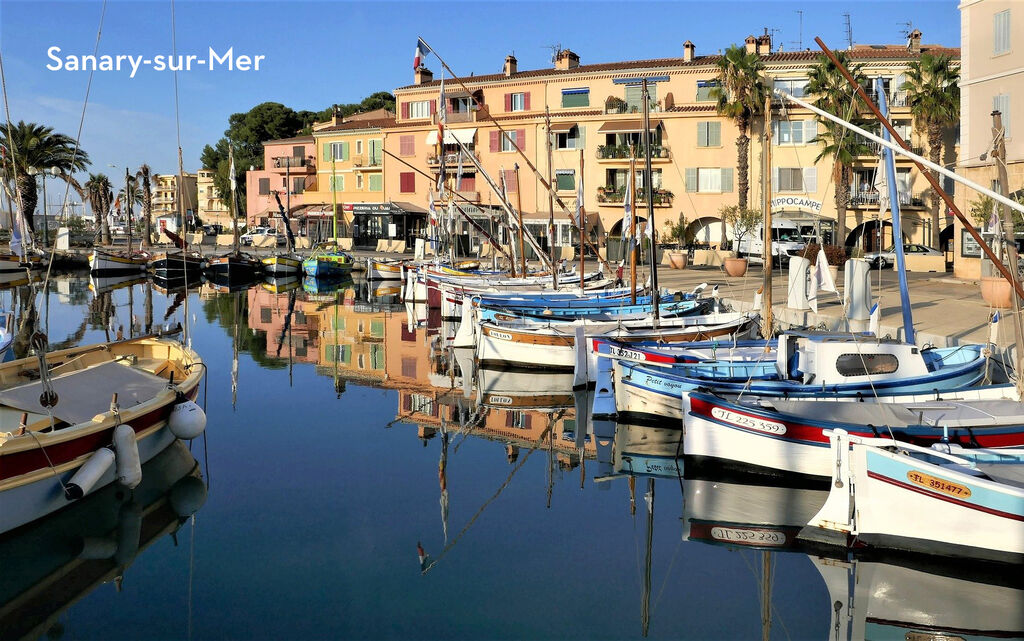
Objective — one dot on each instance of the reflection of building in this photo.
(351, 340)
(268, 313)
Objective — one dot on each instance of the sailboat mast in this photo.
(650, 196)
(129, 195)
(632, 228)
(766, 190)
(234, 195)
(287, 200)
(519, 213)
(1009, 237)
(551, 204)
(334, 197)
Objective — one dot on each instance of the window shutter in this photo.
(526, 101)
(508, 102)
(691, 179)
(405, 111)
(327, 152)
(727, 179)
(510, 181)
(433, 107)
(495, 141)
(775, 132)
(810, 130)
(581, 142)
(521, 139)
(375, 182)
(344, 151)
(702, 133)
(714, 134)
(810, 179)
(775, 178)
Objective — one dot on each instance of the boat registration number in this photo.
(939, 485)
(748, 536)
(625, 353)
(499, 335)
(750, 422)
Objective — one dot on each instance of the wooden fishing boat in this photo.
(15, 263)
(233, 269)
(281, 284)
(327, 261)
(108, 263)
(282, 264)
(384, 269)
(50, 456)
(178, 264)
(942, 500)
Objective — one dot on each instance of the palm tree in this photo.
(100, 195)
(28, 147)
(741, 93)
(833, 93)
(147, 204)
(933, 93)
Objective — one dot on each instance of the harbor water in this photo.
(354, 482)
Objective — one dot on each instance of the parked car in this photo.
(887, 256)
(261, 232)
(213, 230)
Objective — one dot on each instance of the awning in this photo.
(627, 126)
(562, 127)
(451, 136)
(312, 210)
(410, 208)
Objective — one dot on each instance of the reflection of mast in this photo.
(766, 595)
(234, 352)
(442, 478)
(645, 603)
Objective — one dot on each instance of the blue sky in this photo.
(320, 53)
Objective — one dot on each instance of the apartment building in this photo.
(289, 171)
(168, 204)
(212, 210)
(592, 116)
(991, 79)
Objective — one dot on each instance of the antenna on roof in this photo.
(555, 49)
(907, 28)
(799, 42)
(849, 30)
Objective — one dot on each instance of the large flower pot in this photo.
(996, 291)
(736, 266)
(677, 259)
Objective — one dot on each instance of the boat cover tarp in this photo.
(83, 394)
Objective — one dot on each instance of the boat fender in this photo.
(97, 547)
(128, 462)
(89, 474)
(129, 533)
(187, 496)
(187, 420)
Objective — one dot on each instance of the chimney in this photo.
(914, 41)
(751, 43)
(511, 66)
(764, 44)
(423, 76)
(688, 51)
(566, 60)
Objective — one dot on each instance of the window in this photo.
(419, 109)
(376, 155)
(359, 181)
(635, 99)
(1001, 103)
(264, 186)
(705, 179)
(796, 87)
(1001, 33)
(865, 364)
(572, 139)
(337, 183)
(407, 182)
(509, 145)
(575, 98)
(794, 132)
(795, 179)
(359, 146)
(516, 102)
(501, 142)
(339, 150)
(510, 181)
(704, 88)
(266, 314)
(298, 185)
(376, 182)
(407, 145)
(423, 404)
(709, 134)
(565, 179)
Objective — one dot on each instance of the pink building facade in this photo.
(289, 169)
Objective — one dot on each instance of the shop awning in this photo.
(410, 208)
(451, 136)
(627, 126)
(562, 127)
(312, 210)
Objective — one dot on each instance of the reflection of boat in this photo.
(17, 264)
(55, 562)
(149, 380)
(281, 284)
(904, 597)
(106, 263)
(641, 450)
(167, 286)
(100, 284)
(223, 283)
(524, 389)
(315, 285)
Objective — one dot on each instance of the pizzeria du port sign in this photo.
(789, 203)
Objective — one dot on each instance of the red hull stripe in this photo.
(943, 497)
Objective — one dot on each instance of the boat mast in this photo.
(1009, 237)
(129, 195)
(631, 187)
(334, 197)
(234, 195)
(650, 197)
(551, 204)
(519, 214)
(766, 191)
(287, 201)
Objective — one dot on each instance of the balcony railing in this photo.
(367, 160)
(472, 196)
(623, 152)
(623, 107)
(662, 197)
(896, 98)
(875, 148)
(285, 162)
(870, 199)
(451, 160)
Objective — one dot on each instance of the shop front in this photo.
(372, 222)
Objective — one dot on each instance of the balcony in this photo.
(451, 160)
(874, 148)
(869, 199)
(622, 152)
(291, 164)
(619, 106)
(368, 161)
(896, 98)
(607, 198)
(471, 196)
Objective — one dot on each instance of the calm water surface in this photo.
(342, 441)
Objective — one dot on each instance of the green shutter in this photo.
(714, 134)
(566, 181)
(581, 142)
(344, 151)
(327, 152)
(702, 133)
(691, 179)
(375, 183)
(727, 179)
(570, 100)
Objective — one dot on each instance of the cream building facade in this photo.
(166, 199)
(211, 209)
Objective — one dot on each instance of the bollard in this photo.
(799, 273)
(857, 289)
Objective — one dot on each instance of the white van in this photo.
(786, 241)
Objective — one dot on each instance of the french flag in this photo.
(421, 52)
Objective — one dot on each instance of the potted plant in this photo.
(995, 290)
(743, 221)
(679, 232)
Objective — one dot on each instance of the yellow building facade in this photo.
(166, 197)
(212, 211)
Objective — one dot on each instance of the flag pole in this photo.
(505, 134)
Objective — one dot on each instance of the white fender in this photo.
(95, 548)
(187, 420)
(89, 474)
(129, 465)
(466, 336)
(187, 496)
(129, 533)
(580, 377)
